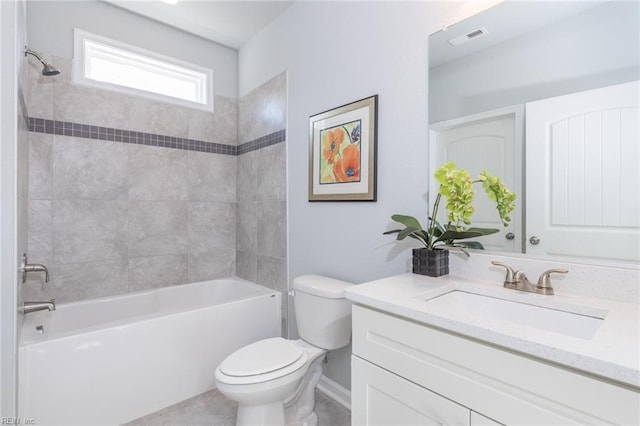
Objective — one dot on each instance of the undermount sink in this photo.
(460, 303)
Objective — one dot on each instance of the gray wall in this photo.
(596, 48)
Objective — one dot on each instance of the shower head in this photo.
(47, 69)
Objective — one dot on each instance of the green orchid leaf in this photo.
(409, 230)
(484, 231)
(424, 235)
(458, 235)
(419, 238)
(471, 245)
(456, 248)
(408, 221)
(393, 231)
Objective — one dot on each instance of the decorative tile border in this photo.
(263, 142)
(65, 128)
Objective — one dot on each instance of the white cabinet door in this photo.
(583, 174)
(380, 398)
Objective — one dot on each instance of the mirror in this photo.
(495, 77)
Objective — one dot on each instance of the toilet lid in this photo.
(261, 357)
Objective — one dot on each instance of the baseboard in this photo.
(335, 391)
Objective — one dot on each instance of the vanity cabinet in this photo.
(408, 373)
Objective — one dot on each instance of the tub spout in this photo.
(28, 307)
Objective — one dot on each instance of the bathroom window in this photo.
(112, 65)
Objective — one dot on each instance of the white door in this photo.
(583, 174)
(478, 143)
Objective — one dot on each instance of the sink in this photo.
(476, 306)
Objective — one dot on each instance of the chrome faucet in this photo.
(28, 307)
(32, 267)
(517, 280)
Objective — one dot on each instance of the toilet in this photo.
(273, 380)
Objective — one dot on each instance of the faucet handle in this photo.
(544, 282)
(509, 279)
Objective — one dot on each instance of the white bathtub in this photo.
(113, 359)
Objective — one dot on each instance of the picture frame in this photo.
(343, 152)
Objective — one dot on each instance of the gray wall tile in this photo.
(211, 225)
(39, 96)
(150, 116)
(225, 121)
(81, 281)
(89, 169)
(157, 271)
(40, 166)
(272, 237)
(218, 263)
(247, 265)
(272, 273)
(219, 126)
(40, 232)
(86, 231)
(81, 104)
(157, 173)
(263, 110)
(247, 239)
(157, 228)
(211, 177)
(272, 171)
(248, 176)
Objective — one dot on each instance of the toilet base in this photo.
(264, 414)
(310, 420)
(299, 408)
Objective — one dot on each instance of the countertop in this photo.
(613, 352)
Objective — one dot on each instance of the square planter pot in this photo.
(434, 263)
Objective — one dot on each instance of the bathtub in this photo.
(114, 359)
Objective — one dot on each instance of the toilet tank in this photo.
(323, 314)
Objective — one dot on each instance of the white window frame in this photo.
(88, 45)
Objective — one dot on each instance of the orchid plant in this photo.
(456, 186)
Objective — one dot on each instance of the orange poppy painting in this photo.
(342, 161)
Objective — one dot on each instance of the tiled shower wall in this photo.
(109, 217)
(262, 215)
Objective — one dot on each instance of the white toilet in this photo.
(273, 380)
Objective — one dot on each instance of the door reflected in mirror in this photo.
(527, 99)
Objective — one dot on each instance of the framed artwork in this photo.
(342, 152)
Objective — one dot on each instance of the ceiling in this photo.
(230, 22)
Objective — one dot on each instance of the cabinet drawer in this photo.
(382, 398)
(508, 387)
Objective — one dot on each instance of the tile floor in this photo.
(214, 409)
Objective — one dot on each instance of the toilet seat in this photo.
(262, 361)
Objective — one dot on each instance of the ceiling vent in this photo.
(471, 35)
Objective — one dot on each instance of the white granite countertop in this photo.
(613, 352)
